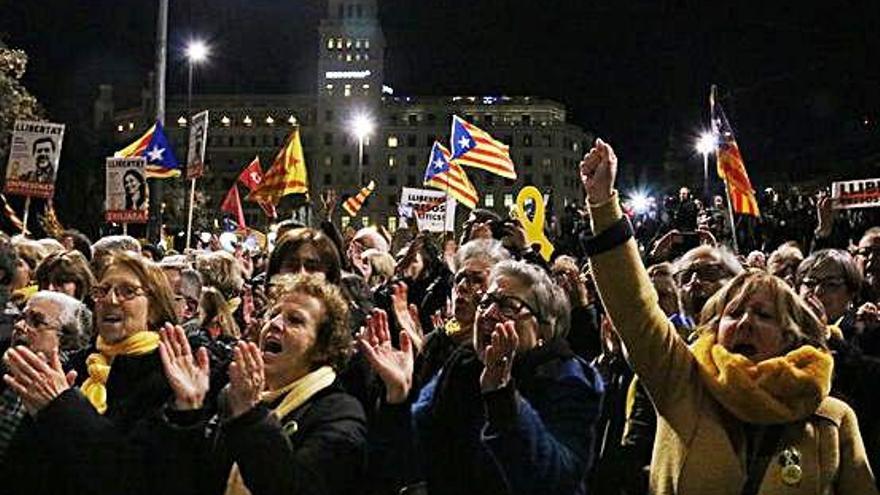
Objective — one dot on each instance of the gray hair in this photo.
(114, 243)
(841, 258)
(190, 283)
(490, 250)
(175, 261)
(550, 300)
(74, 317)
(722, 254)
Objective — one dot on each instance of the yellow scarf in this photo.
(95, 386)
(775, 391)
(297, 393)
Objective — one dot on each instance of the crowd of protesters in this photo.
(652, 354)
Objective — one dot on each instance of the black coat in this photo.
(317, 449)
(70, 448)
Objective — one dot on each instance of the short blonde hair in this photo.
(798, 322)
(222, 271)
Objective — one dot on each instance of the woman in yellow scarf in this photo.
(88, 436)
(285, 424)
(746, 409)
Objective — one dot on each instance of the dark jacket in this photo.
(533, 436)
(70, 448)
(319, 448)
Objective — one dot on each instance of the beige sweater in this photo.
(699, 447)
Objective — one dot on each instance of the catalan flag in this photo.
(353, 204)
(287, 175)
(731, 167)
(446, 175)
(474, 147)
(155, 147)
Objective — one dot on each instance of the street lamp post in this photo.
(705, 146)
(196, 52)
(362, 127)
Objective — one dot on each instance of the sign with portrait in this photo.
(33, 158)
(127, 199)
(198, 138)
(863, 193)
(433, 210)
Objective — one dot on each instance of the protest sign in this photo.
(198, 137)
(33, 158)
(433, 210)
(863, 193)
(127, 197)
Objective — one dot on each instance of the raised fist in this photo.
(598, 170)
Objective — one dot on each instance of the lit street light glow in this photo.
(197, 51)
(362, 126)
(706, 144)
(639, 202)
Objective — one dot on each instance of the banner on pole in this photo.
(33, 158)
(127, 198)
(433, 210)
(198, 138)
(864, 193)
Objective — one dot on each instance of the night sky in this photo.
(797, 81)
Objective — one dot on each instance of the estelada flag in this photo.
(474, 147)
(232, 205)
(155, 147)
(731, 168)
(448, 176)
(251, 178)
(353, 204)
(287, 175)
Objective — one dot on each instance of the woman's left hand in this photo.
(499, 357)
(36, 381)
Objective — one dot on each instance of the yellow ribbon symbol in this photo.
(534, 227)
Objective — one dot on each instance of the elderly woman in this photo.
(89, 438)
(513, 414)
(68, 272)
(287, 426)
(746, 410)
(784, 261)
(832, 277)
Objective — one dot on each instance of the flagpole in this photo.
(24, 220)
(156, 192)
(712, 96)
(189, 215)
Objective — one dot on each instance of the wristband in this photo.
(615, 235)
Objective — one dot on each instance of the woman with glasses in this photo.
(745, 409)
(91, 433)
(514, 413)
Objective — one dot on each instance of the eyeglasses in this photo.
(36, 321)
(824, 284)
(508, 306)
(706, 273)
(123, 292)
(472, 280)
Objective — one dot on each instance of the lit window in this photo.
(366, 56)
(181, 122)
(392, 141)
(330, 43)
(346, 220)
(347, 91)
(366, 86)
(489, 200)
(348, 43)
(348, 57)
(357, 44)
(357, 56)
(247, 120)
(365, 221)
(120, 128)
(508, 200)
(291, 120)
(339, 43)
(366, 44)
(329, 87)
(269, 120)
(225, 121)
(392, 160)
(547, 161)
(131, 126)
(328, 160)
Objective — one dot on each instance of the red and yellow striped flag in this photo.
(11, 215)
(731, 168)
(353, 204)
(287, 175)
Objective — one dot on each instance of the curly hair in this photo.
(333, 341)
